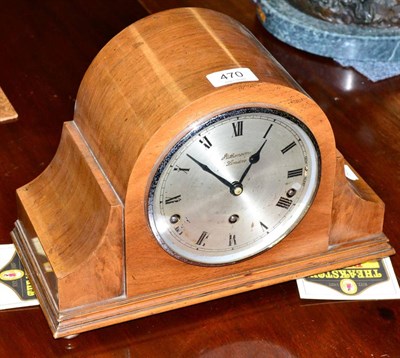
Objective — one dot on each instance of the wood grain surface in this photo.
(7, 111)
(46, 49)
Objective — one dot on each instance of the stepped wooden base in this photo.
(121, 309)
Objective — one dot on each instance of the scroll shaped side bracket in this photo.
(72, 225)
(358, 212)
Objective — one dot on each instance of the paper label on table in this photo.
(234, 75)
(372, 280)
(15, 288)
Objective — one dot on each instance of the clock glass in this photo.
(234, 186)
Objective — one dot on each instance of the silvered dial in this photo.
(234, 186)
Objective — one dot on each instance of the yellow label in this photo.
(10, 275)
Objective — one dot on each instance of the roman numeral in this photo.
(232, 240)
(179, 230)
(288, 147)
(174, 199)
(295, 173)
(238, 128)
(206, 142)
(266, 133)
(284, 202)
(263, 226)
(202, 238)
(179, 169)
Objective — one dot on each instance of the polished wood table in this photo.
(45, 49)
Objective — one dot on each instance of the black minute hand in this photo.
(253, 160)
(208, 170)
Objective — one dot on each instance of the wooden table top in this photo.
(45, 49)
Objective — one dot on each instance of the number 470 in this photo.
(231, 75)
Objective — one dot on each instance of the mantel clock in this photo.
(194, 168)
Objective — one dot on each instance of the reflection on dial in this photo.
(234, 186)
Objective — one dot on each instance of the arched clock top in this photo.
(152, 70)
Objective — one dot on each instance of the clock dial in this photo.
(234, 186)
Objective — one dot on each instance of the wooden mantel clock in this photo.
(194, 168)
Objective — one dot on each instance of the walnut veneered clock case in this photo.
(194, 168)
